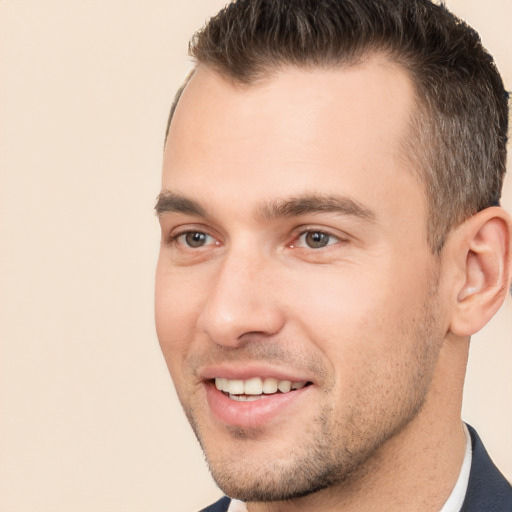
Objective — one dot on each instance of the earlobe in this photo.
(485, 255)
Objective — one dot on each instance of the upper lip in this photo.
(248, 371)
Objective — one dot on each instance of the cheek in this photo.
(357, 317)
(176, 310)
(341, 302)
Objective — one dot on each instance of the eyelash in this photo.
(331, 239)
(174, 239)
(328, 238)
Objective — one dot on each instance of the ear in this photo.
(484, 257)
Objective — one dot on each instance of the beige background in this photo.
(88, 416)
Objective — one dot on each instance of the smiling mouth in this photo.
(256, 388)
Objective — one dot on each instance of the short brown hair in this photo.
(458, 133)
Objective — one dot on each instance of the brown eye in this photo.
(195, 239)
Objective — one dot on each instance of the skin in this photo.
(366, 319)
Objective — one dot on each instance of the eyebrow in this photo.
(167, 202)
(292, 207)
(314, 203)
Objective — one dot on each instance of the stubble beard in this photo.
(333, 451)
(325, 459)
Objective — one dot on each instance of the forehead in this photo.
(336, 130)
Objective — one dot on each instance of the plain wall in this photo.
(88, 416)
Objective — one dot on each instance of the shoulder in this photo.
(488, 490)
(219, 506)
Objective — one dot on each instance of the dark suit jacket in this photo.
(488, 491)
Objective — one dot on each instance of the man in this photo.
(331, 238)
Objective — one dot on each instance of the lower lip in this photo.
(251, 414)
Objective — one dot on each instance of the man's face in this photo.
(294, 255)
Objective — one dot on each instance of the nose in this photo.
(241, 301)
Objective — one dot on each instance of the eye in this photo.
(315, 240)
(195, 239)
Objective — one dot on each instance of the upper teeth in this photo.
(256, 386)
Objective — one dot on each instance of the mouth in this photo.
(256, 402)
(256, 388)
